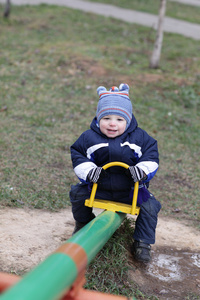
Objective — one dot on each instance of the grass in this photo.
(173, 9)
(52, 60)
(49, 80)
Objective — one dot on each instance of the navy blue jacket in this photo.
(133, 147)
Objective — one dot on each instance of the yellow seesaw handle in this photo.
(136, 186)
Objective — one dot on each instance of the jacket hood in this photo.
(133, 125)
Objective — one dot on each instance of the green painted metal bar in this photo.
(56, 274)
(98, 232)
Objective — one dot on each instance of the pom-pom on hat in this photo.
(114, 102)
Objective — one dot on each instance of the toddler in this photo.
(114, 135)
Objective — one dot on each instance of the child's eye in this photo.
(120, 120)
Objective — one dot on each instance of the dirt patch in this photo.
(174, 272)
(27, 237)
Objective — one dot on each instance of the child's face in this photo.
(112, 125)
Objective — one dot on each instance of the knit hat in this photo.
(114, 102)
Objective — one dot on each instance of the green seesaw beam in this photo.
(51, 279)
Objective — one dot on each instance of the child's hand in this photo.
(96, 174)
(136, 173)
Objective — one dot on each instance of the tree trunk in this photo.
(7, 9)
(155, 58)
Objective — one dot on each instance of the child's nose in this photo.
(112, 123)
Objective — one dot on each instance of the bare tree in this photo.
(155, 58)
(7, 9)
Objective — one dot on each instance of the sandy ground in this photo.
(27, 237)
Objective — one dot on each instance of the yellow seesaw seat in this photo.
(111, 205)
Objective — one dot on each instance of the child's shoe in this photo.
(79, 225)
(141, 251)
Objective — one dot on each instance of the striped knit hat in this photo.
(114, 102)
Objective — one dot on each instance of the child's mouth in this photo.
(112, 132)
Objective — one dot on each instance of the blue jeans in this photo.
(146, 222)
